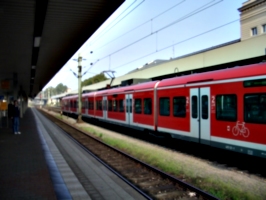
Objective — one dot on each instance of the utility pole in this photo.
(79, 120)
(79, 76)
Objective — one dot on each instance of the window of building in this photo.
(264, 28)
(121, 105)
(179, 106)
(255, 108)
(138, 108)
(109, 105)
(254, 31)
(194, 106)
(226, 107)
(165, 106)
(147, 106)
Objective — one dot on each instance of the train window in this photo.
(83, 104)
(121, 105)
(255, 108)
(226, 107)
(105, 105)
(115, 105)
(127, 103)
(138, 108)
(204, 107)
(165, 106)
(255, 83)
(97, 105)
(179, 106)
(109, 105)
(100, 104)
(130, 105)
(147, 106)
(194, 105)
(90, 105)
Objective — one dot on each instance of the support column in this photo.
(79, 120)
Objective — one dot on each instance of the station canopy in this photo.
(38, 37)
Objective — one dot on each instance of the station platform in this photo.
(44, 163)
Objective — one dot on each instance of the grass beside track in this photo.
(165, 162)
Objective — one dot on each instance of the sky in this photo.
(141, 31)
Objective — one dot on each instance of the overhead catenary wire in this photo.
(99, 36)
(196, 11)
(138, 26)
(170, 46)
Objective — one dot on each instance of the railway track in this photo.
(232, 160)
(149, 181)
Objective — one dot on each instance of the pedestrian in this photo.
(10, 113)
(16, 115)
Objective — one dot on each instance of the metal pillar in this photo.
(79, 120)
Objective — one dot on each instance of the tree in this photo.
(95, 79)
(51, 91)
(60, 88)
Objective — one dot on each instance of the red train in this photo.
(224, 108)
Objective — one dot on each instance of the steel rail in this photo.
(172, 178)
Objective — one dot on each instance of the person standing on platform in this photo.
(10, 113)
(16, 115)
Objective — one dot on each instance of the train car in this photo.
(224, 108)
(71, 104)
(129, 106)
(89, 108)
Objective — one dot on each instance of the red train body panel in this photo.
(224, 108)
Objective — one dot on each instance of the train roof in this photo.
(126, 89)
(223, 74)
(70, 97)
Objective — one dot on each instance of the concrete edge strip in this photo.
(59, 185)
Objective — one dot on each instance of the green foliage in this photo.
(95, 79)
(212, 185)
(59, 89)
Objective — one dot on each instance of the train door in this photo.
(104, 107)
(129, 116)
(200, 114)
(86, 106)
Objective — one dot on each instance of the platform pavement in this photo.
(23, 170)
(33, 167)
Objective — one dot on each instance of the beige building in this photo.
(253, 19)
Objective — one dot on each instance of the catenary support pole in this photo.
(79, 120)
